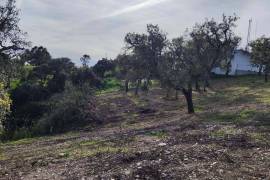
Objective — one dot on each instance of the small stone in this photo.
(162, 144)
(127, 172)
(62, 154)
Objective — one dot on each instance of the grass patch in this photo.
(20, 142)
(198, 109)
(89, 143)
(262, 119)
(260, 138)
(231, 117)
(91, 148)
(225, 132)
(159, 134)
(2, 156)
(110, 85)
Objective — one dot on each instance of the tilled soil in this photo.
(146, 137)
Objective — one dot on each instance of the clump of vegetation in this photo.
(69, 110)
(5, 103)
(159, 134)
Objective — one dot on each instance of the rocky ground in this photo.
(150, 137)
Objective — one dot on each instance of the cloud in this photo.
(97, 27)
(136, 7)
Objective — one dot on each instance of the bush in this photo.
(73, 108)
(27, 107)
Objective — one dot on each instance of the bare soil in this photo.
(150, 137)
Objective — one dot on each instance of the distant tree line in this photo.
(40, 94)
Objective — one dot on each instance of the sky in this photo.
(69, 28)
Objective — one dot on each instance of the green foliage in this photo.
(5, 103)
(111, 84)
(85, 75)
(71, 109)
(103, 67)
(260, 54)
(36, 56)
(42, 103)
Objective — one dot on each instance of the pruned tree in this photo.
(179, 67)
(260, 54)
(123, 66)
(215, 43)
(146, 50)
(132, 69)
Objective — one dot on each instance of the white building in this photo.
(240, 65)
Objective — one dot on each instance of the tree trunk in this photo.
(228, 69)
(188, 95)
(176, 94)
(137, 87)
(207, 84)
(126, 85)
(266, 77)
(197, 85)
(227, 72)
(167, 93)
(260, 70)
(145, 85)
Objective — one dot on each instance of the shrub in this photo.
(5, 103)
(71, 109)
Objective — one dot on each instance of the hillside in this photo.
(149, 137)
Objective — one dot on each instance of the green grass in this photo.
(242, 89)
(159, 134)
(260, 137)
(91, 148)
(230, 117)
(225, 132)
(21, 142)
(110, 85)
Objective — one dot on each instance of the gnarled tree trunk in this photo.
(188, 95)
(138, 86)
(126, 86)
(260, 70)
(176, 94)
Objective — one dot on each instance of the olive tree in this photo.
(178, 68)
(260, 54)
(215, 43)
(146, 50)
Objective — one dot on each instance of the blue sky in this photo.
(70, 28)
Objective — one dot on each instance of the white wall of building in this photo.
(241, 64)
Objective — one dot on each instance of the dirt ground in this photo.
(150, 137)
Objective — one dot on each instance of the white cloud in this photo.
(136, 7)
(97, 27)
